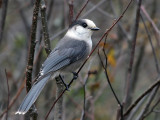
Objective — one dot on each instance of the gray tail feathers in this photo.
(32, 95)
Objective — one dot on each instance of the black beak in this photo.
(95, 29)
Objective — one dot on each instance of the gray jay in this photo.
(67, 56)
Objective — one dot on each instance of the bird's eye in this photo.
(84, 25)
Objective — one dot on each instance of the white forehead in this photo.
(90, 23)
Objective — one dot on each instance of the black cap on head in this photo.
(79, 22)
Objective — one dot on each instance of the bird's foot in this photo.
(66, 85)
(75, 75)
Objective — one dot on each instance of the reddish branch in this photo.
(81, 10)
(14, 99)
(70, 11)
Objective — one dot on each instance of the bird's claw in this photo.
(75, 75)
(66, 86)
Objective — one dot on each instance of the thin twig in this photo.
(149, 101)
(105, 69)
(45, 29)
(84, 99)
(127, 98)
(24, 19)
(81, 10)
(152, 109)
(150, 40)
(54, 104)
(3, 18)
(70, 3)
(7, 94)
(50, 9)
(93, 8)
(125, 33)
(141, 96)
(108, 15)
(14, 98)
(136, 109)
(155, 28)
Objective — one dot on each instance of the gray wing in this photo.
(63, 55)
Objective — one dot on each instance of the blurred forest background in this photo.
(131, 71)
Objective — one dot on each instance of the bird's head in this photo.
(82, 29)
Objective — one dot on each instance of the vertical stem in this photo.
(70, 11)
(59, 105)
(133, 45)
(29, 67)
(45, 29)
(3, 17)
(32, 46)
(8, 95)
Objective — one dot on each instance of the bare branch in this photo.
(105, 69)
(153, 50)
(59, 105)
(32, 46)
(7, 94)
(127, 98)
(14, 98)
(81, 10)
(156, 30)
(3, 17)
(45, 29)
(149, 101)
(152, 109)
(142, 95)
(70, 3)
(29, 67)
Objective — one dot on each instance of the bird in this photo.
(68, 55)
